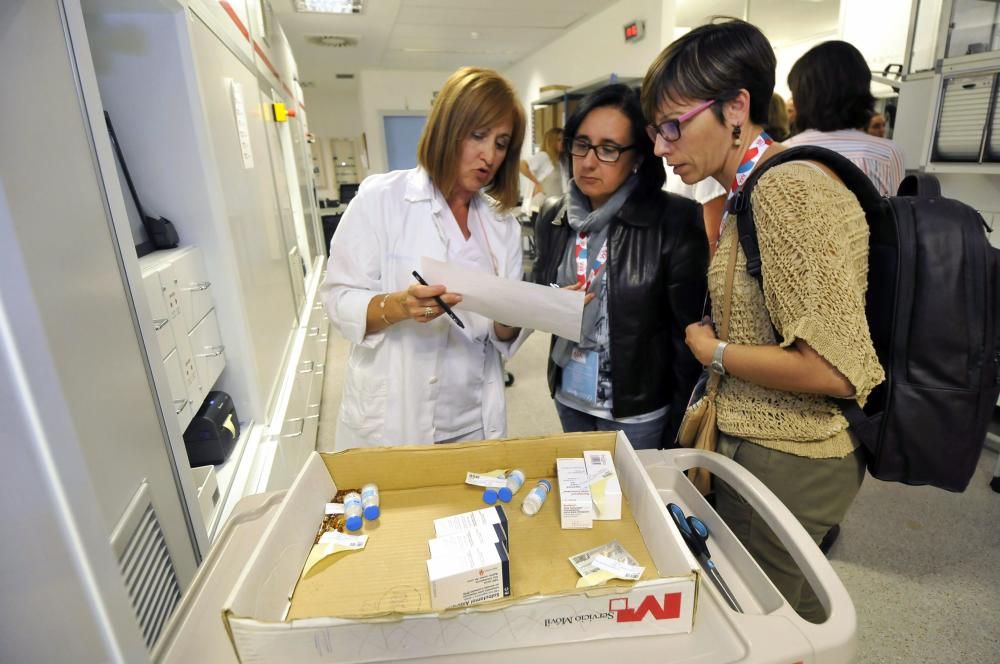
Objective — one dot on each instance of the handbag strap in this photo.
(713, 381)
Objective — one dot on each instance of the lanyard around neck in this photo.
(581, 260)
(743, 171)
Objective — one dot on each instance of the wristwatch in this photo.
(717, 365)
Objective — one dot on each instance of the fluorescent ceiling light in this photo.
(329, 6)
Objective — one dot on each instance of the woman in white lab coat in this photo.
(413, 375)
(543, 169)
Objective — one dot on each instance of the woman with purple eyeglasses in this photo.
(798, 344)
(641, 255)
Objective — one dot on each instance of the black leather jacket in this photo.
(657, 265)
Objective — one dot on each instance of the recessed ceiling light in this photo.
(474, 34)
(329, 6)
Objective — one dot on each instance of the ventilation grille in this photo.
(333, 41)
(146, 566)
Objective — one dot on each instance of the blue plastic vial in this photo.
(515, 479)
(370, 501)
(490, 496)
(353, 510)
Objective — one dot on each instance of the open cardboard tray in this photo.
(374, 605)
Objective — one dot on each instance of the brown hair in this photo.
(550, 144)
(472, 98)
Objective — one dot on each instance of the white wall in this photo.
(389, 91)
(333, 113)
(595, 49)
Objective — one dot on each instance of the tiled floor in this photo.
(922, 565)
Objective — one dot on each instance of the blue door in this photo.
(402, 133)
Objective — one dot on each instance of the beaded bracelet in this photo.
(381, 305)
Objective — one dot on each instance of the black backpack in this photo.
(931, 305)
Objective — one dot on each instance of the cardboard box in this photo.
(605, 489)
(374, 605)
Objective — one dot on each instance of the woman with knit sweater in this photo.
(707, 97)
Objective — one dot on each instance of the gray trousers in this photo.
(817, 491)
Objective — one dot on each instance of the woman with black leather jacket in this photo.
(643, 255)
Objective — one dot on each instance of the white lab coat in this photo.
(391, 382)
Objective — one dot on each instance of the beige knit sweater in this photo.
(814, 250)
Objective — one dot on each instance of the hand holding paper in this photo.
(516, 303)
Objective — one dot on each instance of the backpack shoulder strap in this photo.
(852, 177)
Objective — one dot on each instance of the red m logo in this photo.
(669, 610)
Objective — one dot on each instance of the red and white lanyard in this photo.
(581, 261)
(750, 159)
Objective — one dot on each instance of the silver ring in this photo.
(428, 312)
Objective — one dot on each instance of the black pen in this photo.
(437, 298)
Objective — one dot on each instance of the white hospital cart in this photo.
(768, 630)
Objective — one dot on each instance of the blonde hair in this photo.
(472, 98)
(550, 144)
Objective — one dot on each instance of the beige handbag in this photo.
(699, 428)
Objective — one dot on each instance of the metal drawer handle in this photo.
(301, 430)
(312, 417)
(313, 331)
(215, 351)
(160, 323)
(312, 365)
(183, 404)
(198, 286)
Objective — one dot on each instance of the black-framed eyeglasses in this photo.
(606, 152)
(670, 130)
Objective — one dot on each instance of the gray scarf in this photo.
(596, 223)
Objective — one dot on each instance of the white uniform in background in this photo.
(394, 377)
(702, 192)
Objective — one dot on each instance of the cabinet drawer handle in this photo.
(160, 323)
(312, 331)
(301, 430)
(198, 286)
(214, 351)
(312, 417)
(183, 404)
(312, 365)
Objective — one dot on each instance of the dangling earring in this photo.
(635, 169)
(737, 142)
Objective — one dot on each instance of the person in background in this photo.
(876, 125)
(799, 344)
(777, 119)
(641, 253)
(542, 169)
(790, 112)
(413, 376)
(831, 85)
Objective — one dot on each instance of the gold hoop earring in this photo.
(737, 141)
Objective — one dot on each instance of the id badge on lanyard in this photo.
(579, 376)
(580, 256)
(749, 162)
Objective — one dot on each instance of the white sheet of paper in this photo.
(517, 303)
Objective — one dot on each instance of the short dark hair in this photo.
(831, 87)
(713, 61)
(625, 99)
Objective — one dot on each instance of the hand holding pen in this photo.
(425, 302)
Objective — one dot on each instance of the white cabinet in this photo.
(186, 325)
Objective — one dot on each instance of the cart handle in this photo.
(829, 588)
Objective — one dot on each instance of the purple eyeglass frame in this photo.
(658, 130)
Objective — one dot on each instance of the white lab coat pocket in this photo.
(365, 390)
